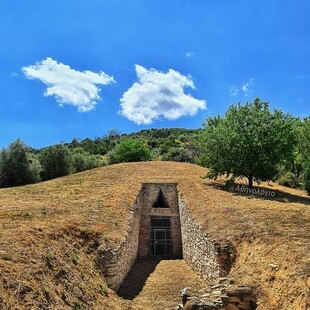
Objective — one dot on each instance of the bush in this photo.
(289, 180)
(129, 150)
(179, 154)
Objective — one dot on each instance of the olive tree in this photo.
(248, 141)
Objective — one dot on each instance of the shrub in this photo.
(130, 150)
(180, 154)
(289, 179)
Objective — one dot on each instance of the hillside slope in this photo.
(50, 232)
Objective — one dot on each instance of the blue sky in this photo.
(77, 68)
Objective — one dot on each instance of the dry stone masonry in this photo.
(198, 248)
(223, 296)
(162, 226)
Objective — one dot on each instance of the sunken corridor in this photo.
(161, 227)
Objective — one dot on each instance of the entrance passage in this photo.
(160, 237)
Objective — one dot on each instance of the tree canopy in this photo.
(55, 161)
(15, 167)
(249, 141)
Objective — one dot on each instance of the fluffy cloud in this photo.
(157, 94)
(67, 85)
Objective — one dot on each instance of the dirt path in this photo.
(161, 289)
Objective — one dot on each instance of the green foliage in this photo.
(35, 167)
(74, 258)
(249, 141)
(304, 142)
(55, 161)
(179, 154)
(15, 167)
(289, 180)
(307, 179)
(79, 162)
(84, 161)
(130, 150)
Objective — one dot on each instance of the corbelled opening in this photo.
(161, 201)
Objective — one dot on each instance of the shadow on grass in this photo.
(272, 194)
(137, 276)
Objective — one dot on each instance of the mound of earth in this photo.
(50, 233)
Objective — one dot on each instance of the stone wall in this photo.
(199, 249)
(115, 263)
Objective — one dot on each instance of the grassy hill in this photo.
(50, 233)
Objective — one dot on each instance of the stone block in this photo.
(231, 307)
(245, 305)
(247, 298)
(110, 281)
(239, 291)
(234, 299)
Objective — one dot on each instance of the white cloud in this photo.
(234, 91)
(246, 88)
(67, 85)
(157, 94)
(189, 54)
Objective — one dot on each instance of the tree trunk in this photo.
(250, 181)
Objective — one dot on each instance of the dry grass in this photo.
(163, 287)
(50, 232)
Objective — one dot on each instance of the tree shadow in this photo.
(137, 276)
(272, 194)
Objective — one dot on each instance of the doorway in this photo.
(160, 237)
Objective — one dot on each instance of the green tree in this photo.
(249, 141)
(79, 162)
(55, 161)
(15, 167)
(130, 150)
(304, 142)
(35, 167)
(84, 161)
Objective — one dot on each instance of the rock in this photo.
(239, 291)
(221, 280)
(247, 298)
(234, 299)
(224, 298)
(231, 307)
(216, 286)
(274, 267)
(244, 305)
